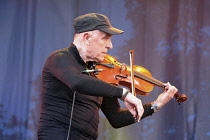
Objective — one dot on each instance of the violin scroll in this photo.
(180, 98)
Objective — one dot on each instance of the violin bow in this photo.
(132, 71)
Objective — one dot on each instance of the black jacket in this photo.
(62, 78)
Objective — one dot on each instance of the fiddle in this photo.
(113, 72)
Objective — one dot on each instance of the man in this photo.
(72, 98)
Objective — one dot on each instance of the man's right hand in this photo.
(134, 105)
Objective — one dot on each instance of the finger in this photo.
(173, 89)
(133, 112)
(170, 88)
(140, 110)
(167, 85)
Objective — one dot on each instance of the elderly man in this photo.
(72, 99)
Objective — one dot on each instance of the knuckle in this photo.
(138, 100)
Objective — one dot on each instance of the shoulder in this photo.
(60, 57)
(60, 53)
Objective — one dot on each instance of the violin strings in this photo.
(149, 79)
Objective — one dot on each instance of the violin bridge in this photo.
(122, 67)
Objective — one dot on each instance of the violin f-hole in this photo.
(121, 76)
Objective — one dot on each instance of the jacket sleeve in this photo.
(64, 67)
(118, 117)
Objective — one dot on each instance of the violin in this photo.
(113, 72)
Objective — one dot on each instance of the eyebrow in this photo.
(107, 34)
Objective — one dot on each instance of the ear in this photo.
(86, 38)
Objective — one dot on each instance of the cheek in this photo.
(93, 51)
(96, 47)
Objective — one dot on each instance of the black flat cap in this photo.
(94, 21)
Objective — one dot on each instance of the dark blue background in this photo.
(170, 38)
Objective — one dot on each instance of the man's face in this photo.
(99, 43)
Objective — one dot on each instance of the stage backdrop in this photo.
(171, 38)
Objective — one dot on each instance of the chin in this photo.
(100, 59)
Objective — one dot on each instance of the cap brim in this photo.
(112, 30)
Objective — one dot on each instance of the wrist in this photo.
(155, 107)
(124, 94)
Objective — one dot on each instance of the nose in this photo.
(109, 44)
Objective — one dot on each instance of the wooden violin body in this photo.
(119, 74)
